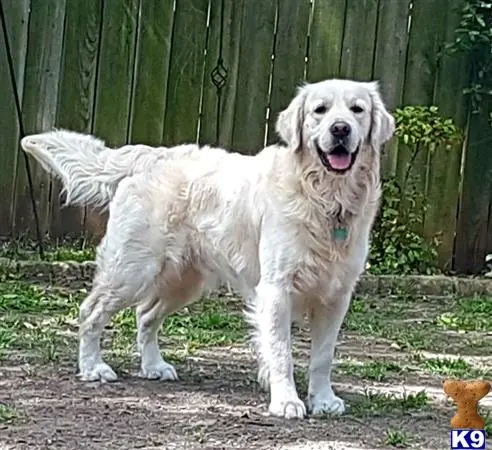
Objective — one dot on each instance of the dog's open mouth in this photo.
(339, 159)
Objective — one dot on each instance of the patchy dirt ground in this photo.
(215, 405)
(392, 357)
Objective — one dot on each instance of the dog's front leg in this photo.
(326, 320)
(273, 320)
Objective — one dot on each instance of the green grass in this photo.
(67, 254)
(26, 298)
(7, 413)
(384, 370)
(397, 438)
(375, 403)
(384, 321)
(372, 370)
(403, 321)
(487, 415)
(35, 322)
(41, 324)
(469, 314)
(205, 324)
(448, 367)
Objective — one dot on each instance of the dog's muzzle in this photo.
(338, 159)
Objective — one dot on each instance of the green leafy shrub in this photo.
(422, 127)
(398, 245)
(473, 38)
(425, 126)
(396, 248)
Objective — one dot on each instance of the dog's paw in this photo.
(288, 408)
(162, 371)
(326, 404)
(99, 372)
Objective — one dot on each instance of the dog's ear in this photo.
(290, 120)
(382, 122)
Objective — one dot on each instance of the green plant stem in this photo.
(409, 168)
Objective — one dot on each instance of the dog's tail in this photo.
(89, 171)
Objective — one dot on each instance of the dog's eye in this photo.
(356, 109)
(321, 109)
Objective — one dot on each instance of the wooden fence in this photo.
(140, 71)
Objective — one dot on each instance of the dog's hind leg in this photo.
(175, 292)
(126, 276)
(95, 312)
(150, 317)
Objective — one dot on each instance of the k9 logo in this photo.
(468, 439)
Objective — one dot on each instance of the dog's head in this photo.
(333, 119)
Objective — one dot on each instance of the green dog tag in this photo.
(340, 233)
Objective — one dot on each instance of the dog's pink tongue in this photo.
(339, 162)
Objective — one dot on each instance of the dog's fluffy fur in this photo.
(181, 219)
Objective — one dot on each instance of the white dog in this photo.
(288, 227)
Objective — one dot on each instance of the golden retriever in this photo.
(289, 228)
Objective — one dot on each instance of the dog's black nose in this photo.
(340, 129)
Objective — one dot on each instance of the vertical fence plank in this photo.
(185, 72)
(420, 72)
(445, 164)
(326, 39)
(425, 34)
(151, 73)
(389, 65)
(358, 48)
(290, 53)
(115, 74)
(420, 75)
(255, 61)
(113, 86)
(473, 221)
(391, 49)
(488, 246)
(76, 98)
(17, 17)
(230, 54)
(39, 101)
(79, 66)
